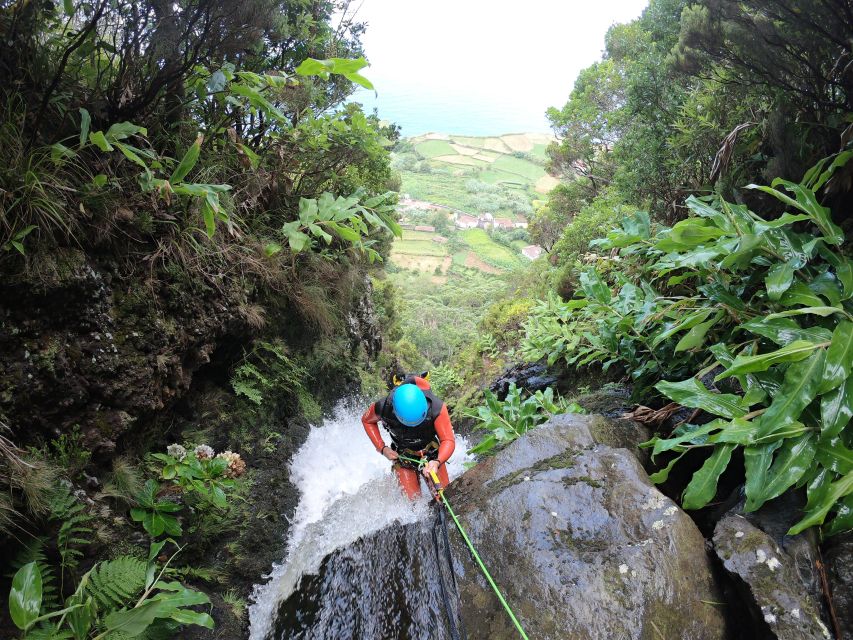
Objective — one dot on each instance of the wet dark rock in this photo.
(531, 377)
(771, 578)
(82, 347)
(838, 556)
(363, 324)
(581, 543)
(611, 401)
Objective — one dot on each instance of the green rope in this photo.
(474, 553)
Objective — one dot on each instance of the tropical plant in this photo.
(155, 514)
(123, 597)
(506, 420)
(764, 304)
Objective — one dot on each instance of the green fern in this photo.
(34, 551)
(73, 530)
(48, 632)
(114, 584)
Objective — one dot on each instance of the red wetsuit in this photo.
(408, 477)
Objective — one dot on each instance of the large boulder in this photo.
(581, 543)
(775, 581)
(839, 568)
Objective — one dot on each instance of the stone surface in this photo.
(838, 556)
(582, 544)
(532, 377)
(770, 578)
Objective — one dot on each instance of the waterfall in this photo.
(347, 492)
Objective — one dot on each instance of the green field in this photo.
(490, 251)
(433, 148)
(419, 247)
(441, 171)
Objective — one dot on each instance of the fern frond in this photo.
(34, 551)
(114, 584)
(73, 531)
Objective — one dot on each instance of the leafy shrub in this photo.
(505, 421)
(443, 379)
(123, 597)
(764, 304)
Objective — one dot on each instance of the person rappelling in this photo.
(419, 425)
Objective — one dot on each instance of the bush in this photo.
(767, 305)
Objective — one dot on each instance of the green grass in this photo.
(440, 188)
(519, 167)
(490, 251)
(519, 244)
(408, 234)
(539, 150)
(433, 148)
(419, 247)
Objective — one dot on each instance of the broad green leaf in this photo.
(779, 279)
(799, 295)
(99, 180)
(692, 232)
(799, 388)
(792, 460)
(663, 475)
(757, 460)
(298, 241)
(817, 513)
(59, 152)
(807, 203)
(98, 139)
(594, 286)
(836, 409)
(738, 431)
(188, 616)
(815, 311)
(209, 216)
(692, 434)
(26, 595)
(344, 232)
(839, 357)
(122, 130)
(834, 455)
(794, 352)
(703, 485)
(131, 154)
(85, 124)
(272, 248)
(784, 331)
(187, 162)
(696, 336)
(687, 322)
(692, 393)
(843, 520)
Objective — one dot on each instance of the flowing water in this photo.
(380, 587)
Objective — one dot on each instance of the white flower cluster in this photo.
(204, 452)
(177, 451)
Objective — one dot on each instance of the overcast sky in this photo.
(518, 57)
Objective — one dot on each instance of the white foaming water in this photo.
(346, 491)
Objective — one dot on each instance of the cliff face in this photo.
(118, 362)
(82, 347)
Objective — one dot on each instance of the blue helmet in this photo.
(410, 405)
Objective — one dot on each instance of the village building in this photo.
(464, 221)
(425, 227)
(532, 251)
(503, 223)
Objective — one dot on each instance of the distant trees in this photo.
(701, 96)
